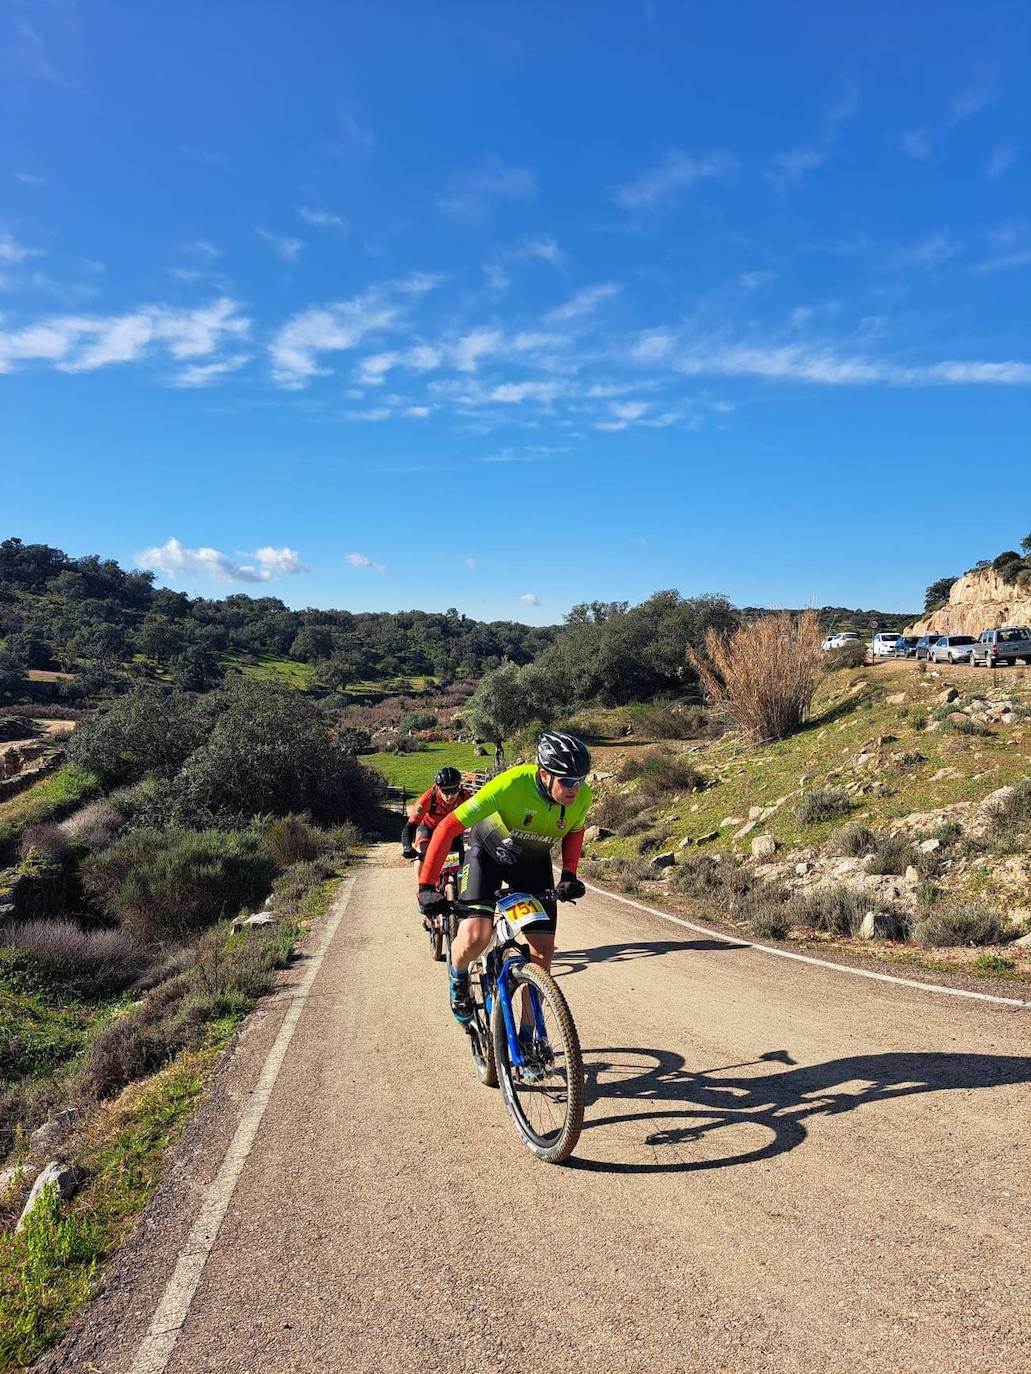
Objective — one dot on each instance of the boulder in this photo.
(660, 861)
(950, 694)
(730, 820)
(801, 869)
(930, 846)
(17, 1176)
(746, 829)
(479, 752)
(912, 874)
(764, 847)
(596, 832)
(55, 1130)
(707, 838)
(754, 812)
(879, 925)
(62, 1176)
(896, 699)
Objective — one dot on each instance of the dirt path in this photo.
(782, 1168)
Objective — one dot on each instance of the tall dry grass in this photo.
(764, 674)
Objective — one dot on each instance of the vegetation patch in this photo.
(47, 799)
(962, 923)
(663, 771)
(822, 804)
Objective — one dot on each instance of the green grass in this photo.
(415, 772)
(288, 672)
(43, 1029)
(45, 800)
(50, 1269)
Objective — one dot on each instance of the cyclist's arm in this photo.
(416, 814)
(572, 844)
(437, 850)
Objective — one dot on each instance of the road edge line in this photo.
(811, 958)
(159, 1343)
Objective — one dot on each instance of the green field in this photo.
(415, 772)
(288, 672)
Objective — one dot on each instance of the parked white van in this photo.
(884, 643)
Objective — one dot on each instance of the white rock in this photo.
(896, 699)
(746, 829)
(730, 820)
(64, 1178)
(55, 1130)
(754, 812)
(912, 874)
(802, 869)
(764, 847)
(930, 846)
(17, 1176)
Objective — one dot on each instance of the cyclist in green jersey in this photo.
(515, 821)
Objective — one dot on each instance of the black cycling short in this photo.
(483, 879)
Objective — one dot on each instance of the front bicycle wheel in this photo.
(481, 1038)
(545, 1098)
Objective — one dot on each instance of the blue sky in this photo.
(505, 307)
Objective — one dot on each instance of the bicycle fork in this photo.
(504, 987)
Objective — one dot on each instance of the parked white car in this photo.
(842, 637)
(884, 643)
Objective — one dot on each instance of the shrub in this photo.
(629, 873)
(822, 804)
(294, 883)
(658, 720)
(663, 771)
(93, 826)
(891, 854)
(918, 717)
(993, 963)
(291, 839)
(637, 825)
(770, 917)
(615, 808)
(966, 725)
(163, 885)
(849, 655)
(46, 838)
(962, 923)
(1013, 812)
(835, 910)
(353, 740)
(765, 673)
(416, 720)
(93, 964)
(702, 876)
(851, 841)
(147, 731)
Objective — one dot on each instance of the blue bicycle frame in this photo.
(499, 963)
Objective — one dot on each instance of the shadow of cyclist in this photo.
(576, 960)
(759, 1116)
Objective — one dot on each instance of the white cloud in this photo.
(284, 562)
(361, 560)
(372, 416)
(823, 365)
(790, 167)
(373, 370)
(338, 327)
(677, 173)
(470, 195)
(529, 599)
(11, 251)
(652, 345)
(512, 393)
(418, 412)
(470, 563)
(174, 560)
(201, 248)
(288, 248)
(82, 343)
(585, 302)
(927, 252)
(477, 344)
(30, 179)
(322, 219)
(354, 132)
(203, 374)
(1010, 247)
(1002, 155)
(976, 96)
(629, 410)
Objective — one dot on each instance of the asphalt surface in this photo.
(782, 1168)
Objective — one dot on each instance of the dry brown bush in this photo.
(765, 673)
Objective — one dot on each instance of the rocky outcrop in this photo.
(978, 601)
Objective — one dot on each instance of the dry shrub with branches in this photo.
(765, 674)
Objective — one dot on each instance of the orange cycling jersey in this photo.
(432, 806)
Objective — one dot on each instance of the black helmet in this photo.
(448, 778)
(562, 755)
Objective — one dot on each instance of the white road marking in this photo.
(809, 958)
(157, 1346)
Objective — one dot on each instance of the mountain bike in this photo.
(522, 1034)
(442, 929)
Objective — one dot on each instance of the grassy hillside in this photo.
(415, 772)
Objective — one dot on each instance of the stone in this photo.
(708, 837)
(598, 776)
(896, 699)
(62, 1176)
(801, 869)
(879, 925)
(479, 752)
(764, 847)
(596, 832)
(950, 694)
(1024, 942)
(754, 812)
(746, 829)
(730, 820)
(958, 718)
(55, 1130)
(930, 846)
(882, 740)
(666, 860)
(912, 874)
(1007, 718)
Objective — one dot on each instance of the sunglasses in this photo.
(569, 782)
(449, 791)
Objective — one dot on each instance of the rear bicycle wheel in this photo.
(436, 938)
(546, 1099)
(480, 1032)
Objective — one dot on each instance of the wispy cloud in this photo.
(337, 327)
(1009, 246)
(30, 179)
(472, 195)
(354, 132)
(11, 251)
(530, 599)
(173, 559)
(930, 251)
(823, 365)
(201, 248)
(790, 167)
(361, 560)
(477, 344)
(661, 186)
(83, 343)
(584, 302)
(322, 219)
(919, 143)
(1001, 158)
(287, 247)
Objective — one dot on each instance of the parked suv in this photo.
(905, 646)
(923, 645)
(884, 643)
(951, 649)
(1004, 645)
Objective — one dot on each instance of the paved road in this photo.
(782, 1168)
